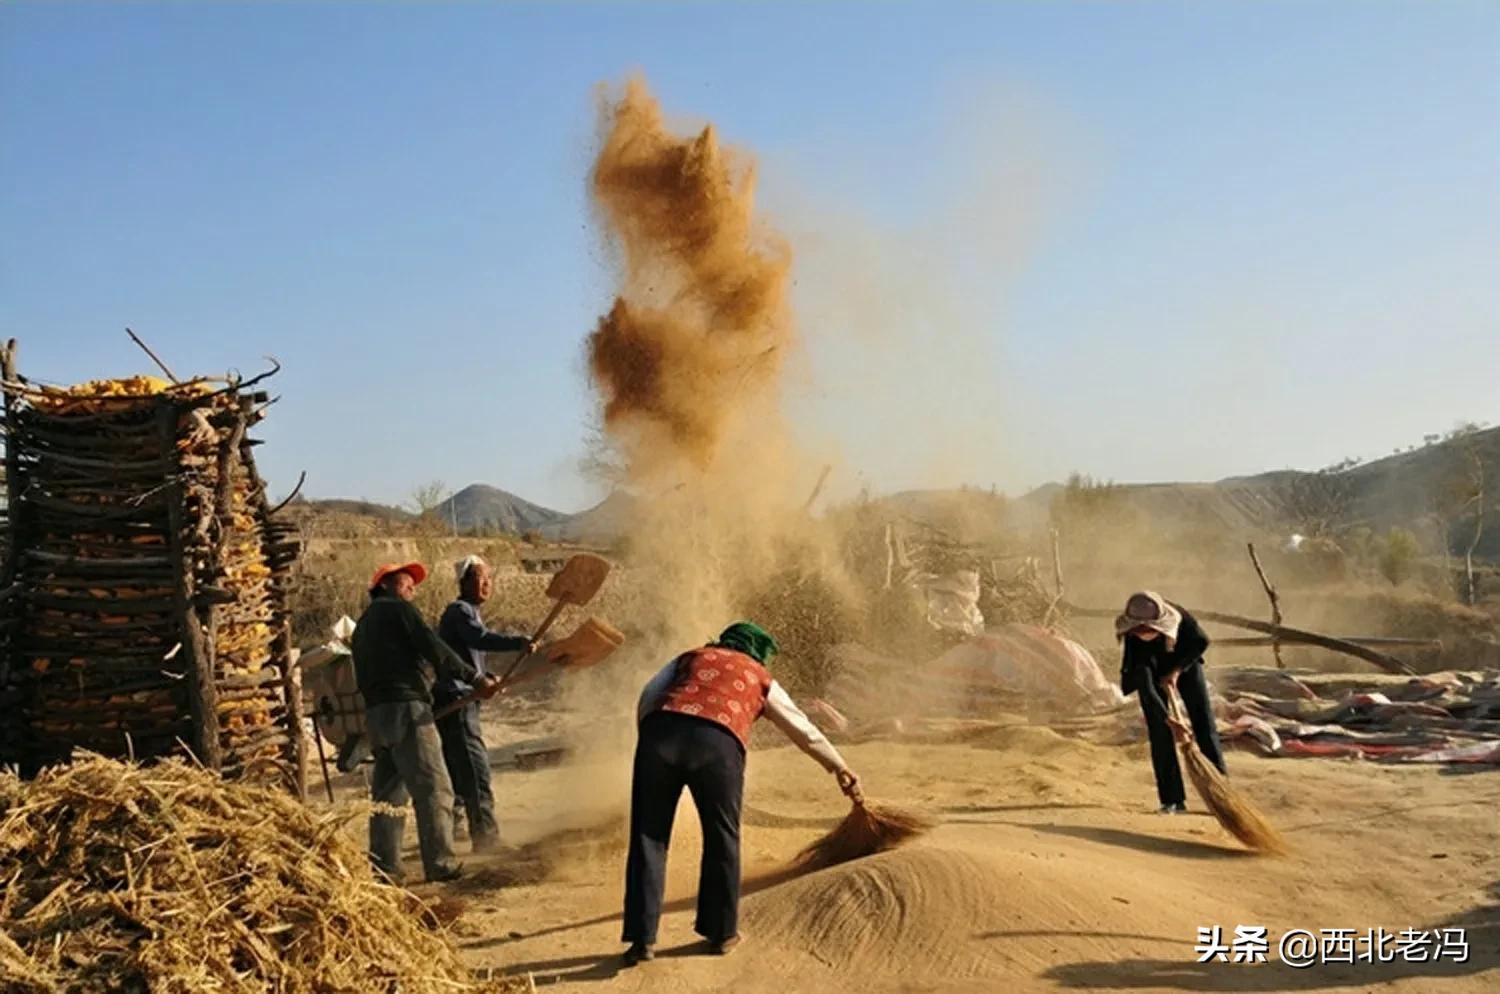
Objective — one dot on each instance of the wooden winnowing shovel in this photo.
(576, 583)
(590, 645)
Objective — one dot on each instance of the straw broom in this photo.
(869, 828)
(1238, 816)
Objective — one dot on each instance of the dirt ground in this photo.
(1051, 871)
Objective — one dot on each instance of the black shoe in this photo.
(639, 952)
(445, 876)
(724, 946)
(1172, 809)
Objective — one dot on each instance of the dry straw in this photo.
(118, 877)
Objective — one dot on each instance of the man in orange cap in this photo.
(390, 642)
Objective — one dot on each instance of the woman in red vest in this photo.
(695, 717)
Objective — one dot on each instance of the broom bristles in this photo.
(1238, 816)
(868, 829)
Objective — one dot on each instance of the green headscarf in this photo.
(749, 638)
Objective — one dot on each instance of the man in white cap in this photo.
(464, 751)
(1164, 648)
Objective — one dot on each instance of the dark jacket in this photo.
(463, 630)
(1146, 663)
(389, 644)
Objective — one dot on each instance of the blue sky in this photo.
(1144, 241)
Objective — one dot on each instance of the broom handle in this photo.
(1174, 708)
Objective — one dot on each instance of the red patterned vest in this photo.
(721, 685)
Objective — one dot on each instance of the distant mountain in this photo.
(601, 524)
(482, 508)
(1400, 489)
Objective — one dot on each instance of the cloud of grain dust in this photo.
(910, 296)
(687, 363)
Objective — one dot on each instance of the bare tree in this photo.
(1320, 504)
(426, 497)
(425, 501)
(1461, 499)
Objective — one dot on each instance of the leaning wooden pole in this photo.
(202, 689)
(1058, 590)
(282, 551)
(1388, 663)
(14, 730)
(1275, 599)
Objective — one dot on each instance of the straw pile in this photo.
(868, 829)
(150, 580)
(167, 879)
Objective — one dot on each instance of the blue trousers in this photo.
(468, 761)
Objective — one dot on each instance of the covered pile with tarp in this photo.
(144, 578)
(1451, 717)
(1015, 668)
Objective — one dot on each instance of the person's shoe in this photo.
(639, 952)
(486, 844)
(446, 875)
(724, 946)
(1172, 809)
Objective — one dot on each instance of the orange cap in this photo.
(417, 571)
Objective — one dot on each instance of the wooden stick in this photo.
(1275, 604)
(890, 555)
(322, 758)
(1370, 640)
(290, 673)
(1388, 663)
(154, 358)
(301, 479)
(473, 695)
(818, 488)
(202, 701)
(1057, 580)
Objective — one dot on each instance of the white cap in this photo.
(462, 567)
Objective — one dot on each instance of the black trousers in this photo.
(1193, 688)
(468, 762)
(675, 751)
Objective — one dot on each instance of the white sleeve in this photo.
(785, 715)
(656, 688)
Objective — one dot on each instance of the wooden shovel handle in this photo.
(474, 695)
(557, 607)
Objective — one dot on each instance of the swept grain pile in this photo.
(869, 828)
(167, 879)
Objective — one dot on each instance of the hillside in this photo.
(601, 524)
(1405, 489)
(1399, 490)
